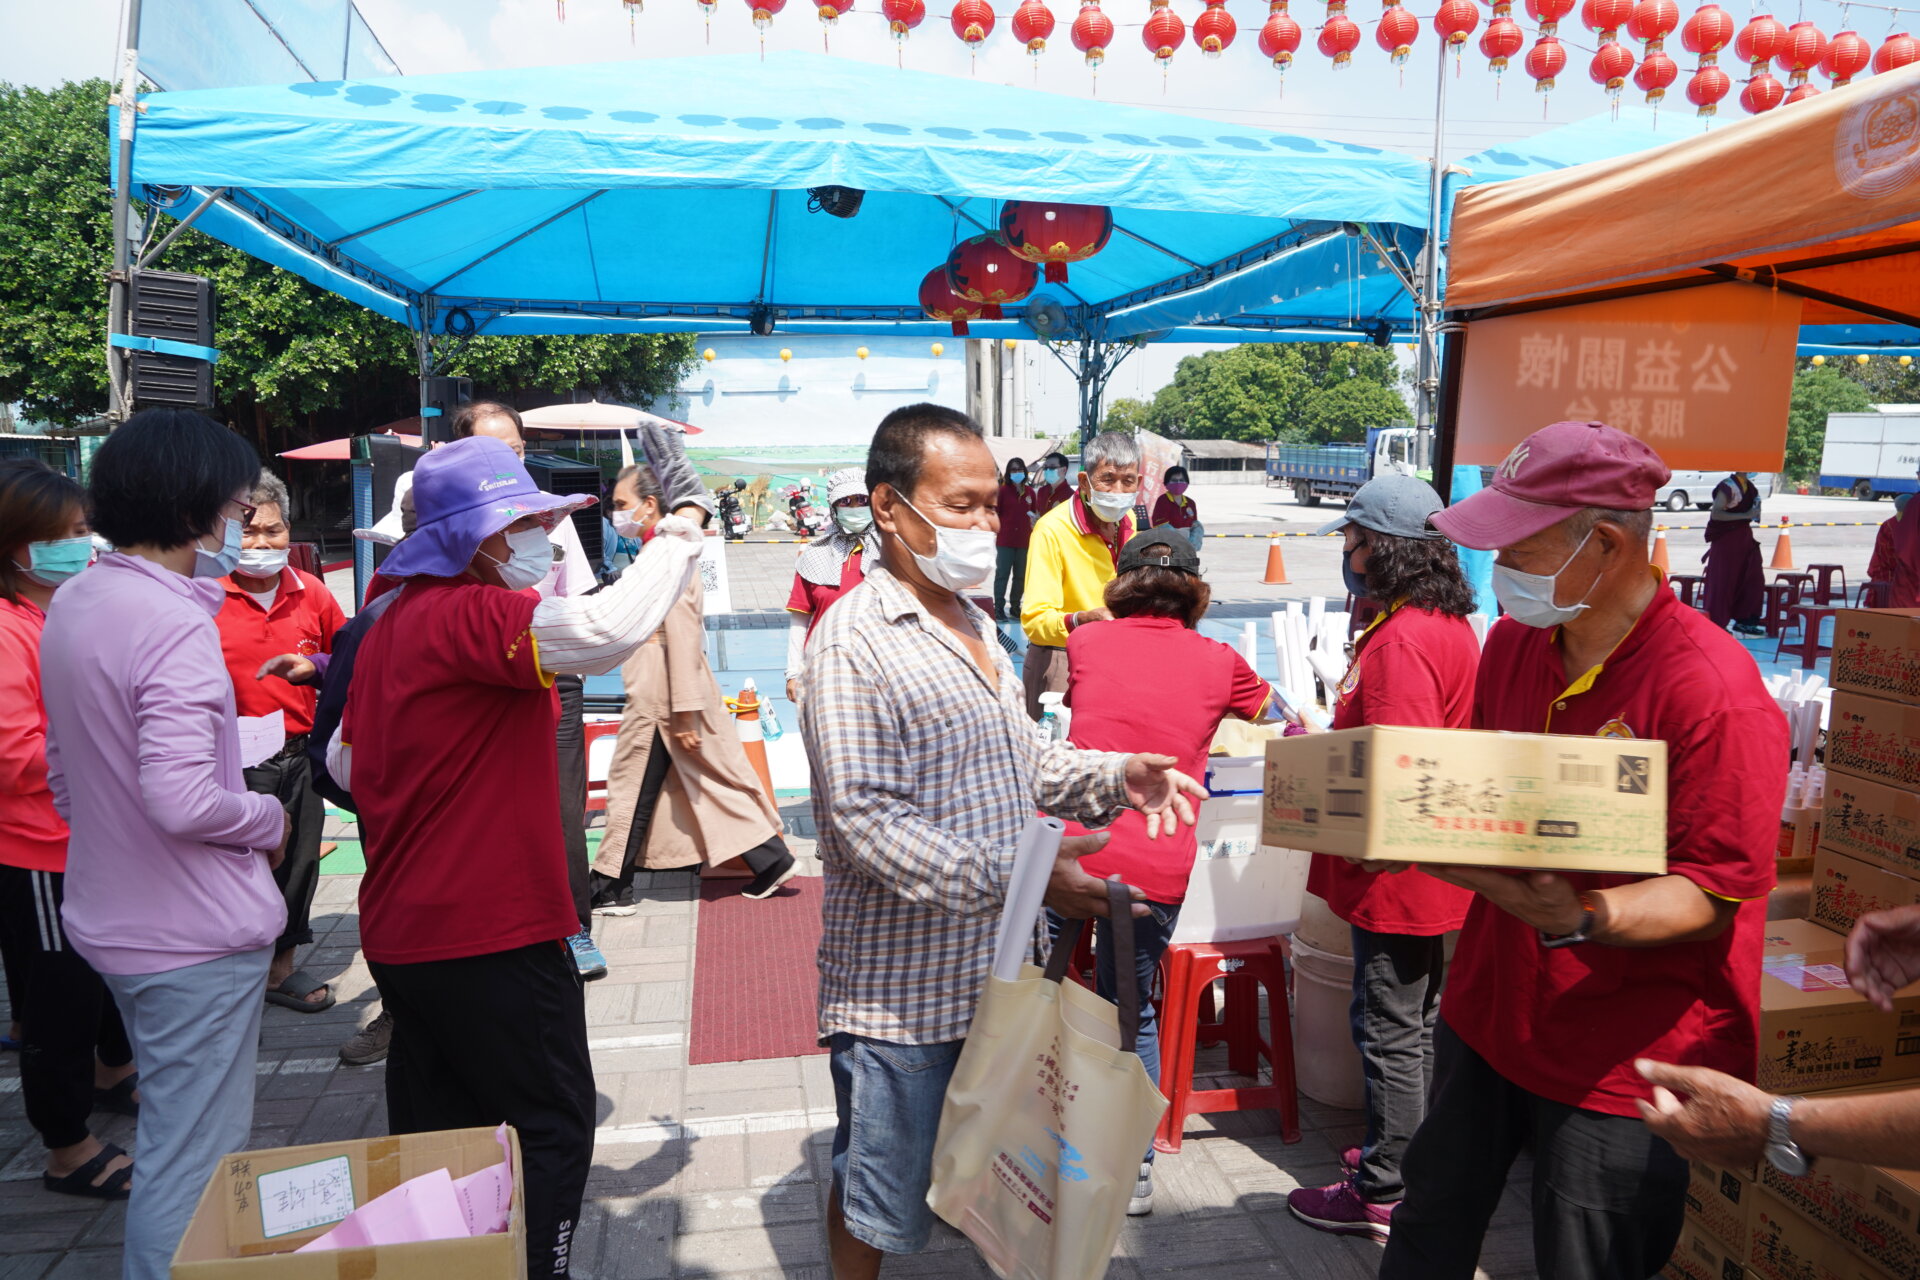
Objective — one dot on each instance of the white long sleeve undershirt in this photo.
(797, 624)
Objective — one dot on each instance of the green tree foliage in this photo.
(1817, 392)
(297, 363)
(1313, 392)
(1128, 414)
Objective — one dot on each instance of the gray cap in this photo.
(1397, 505)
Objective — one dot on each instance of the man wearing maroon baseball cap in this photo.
(1561, 981)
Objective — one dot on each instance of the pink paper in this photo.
(422, 1208)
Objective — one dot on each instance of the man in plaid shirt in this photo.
(925, 769)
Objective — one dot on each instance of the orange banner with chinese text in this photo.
(1702, 375)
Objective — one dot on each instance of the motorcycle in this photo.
(733, 517)
(808, 519)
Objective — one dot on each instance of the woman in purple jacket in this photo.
(169, 889)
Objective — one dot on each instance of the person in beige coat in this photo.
(679, 790)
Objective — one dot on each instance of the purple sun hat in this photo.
(463, 494)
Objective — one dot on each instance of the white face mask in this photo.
(962, 559)
(218, 564)
(262, 562)
(853, 521)
(1528, 597)
(1110, 506)
(530, 559)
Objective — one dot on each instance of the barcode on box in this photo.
(1581, 775)
(1886, 1200)
(1346, 804)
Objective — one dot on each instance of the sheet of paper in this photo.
(305, 1196)
(422, 1208)
(261, 737)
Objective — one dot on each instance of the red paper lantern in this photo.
(1800, 53)
(1214, 29)
(972, 21)
(1611, 66)
(903, 16)
(1455, 20)
(940, 302)
(829, 11)
(1763, 93)
(1280, 37)
(1054, 234)
(1548, 13)
(1547, 59)
(1397, 31)
(1502, 39)
(1092, 32)
(1708, 85)
(1801, 92)
(1707, 33)
(983, 269)
(763, 11)
(1656, 75)
(1653, 21)
(1340, 36)
(1604, 17)
(1847, 56)
(1032, 24)
(1896, 51)
(1164, 31)
(1758, 42)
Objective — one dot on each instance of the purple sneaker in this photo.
(1340, 1209)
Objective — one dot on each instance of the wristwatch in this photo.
(1580, 932)
(1783, 1153)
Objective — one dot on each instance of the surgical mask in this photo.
(1528, 597)
(1016, 477)
(1176, 486)
(962, 559)
(1111, 506)
(1355, 580)
(218, 564)
(853, 521)
(1051, 475)
(262, 562)
(52, 563)
(530, 559)
(627, 524)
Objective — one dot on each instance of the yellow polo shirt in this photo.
(1068, 568)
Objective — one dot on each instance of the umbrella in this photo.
(594, 416)
(340, 450)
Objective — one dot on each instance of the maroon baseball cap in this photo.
(1553, 473)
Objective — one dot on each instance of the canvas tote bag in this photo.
(1046, 1118)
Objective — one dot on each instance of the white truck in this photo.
(1872, 454)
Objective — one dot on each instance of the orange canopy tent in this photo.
(1818, 203)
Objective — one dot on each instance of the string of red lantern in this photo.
(1051, 234)
(1652, 22)
(1032, 24)
(1548, 58)
(1756, 45)
(1163, 33)
(1612, 63)
(983, 269)
(1280, 38)
(1805, 45)
(1340, 36)
(1454, 21)
(1396, 33)
(972, 21)
(1705, 35)
(1214, 29)
(1092, 32)
(1500, 41)
(902, 17)
(1896, 51)
(1846, 57)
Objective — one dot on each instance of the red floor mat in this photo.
(755, 979)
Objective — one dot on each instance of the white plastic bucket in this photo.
(1326, 1064)
(1239, 889)
(1322, 929)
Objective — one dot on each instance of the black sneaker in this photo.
(772, 878)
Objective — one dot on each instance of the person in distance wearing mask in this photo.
(925, 772)
(1071, 559)
(1050, 487)
(1017, 514)
(271, 609)
(1562, 981)
(829, 566)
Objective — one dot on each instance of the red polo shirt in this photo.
(451, 722)
(1150, 684)
(302, 619)
(1412, 667)
(1176, 509)
(1048, 496)
(1566, 1024)
(1017, 515)
(812, 599)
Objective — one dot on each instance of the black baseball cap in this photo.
(1179, 553)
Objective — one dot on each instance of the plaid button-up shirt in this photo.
(923, 775)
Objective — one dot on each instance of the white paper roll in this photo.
(1033, 861)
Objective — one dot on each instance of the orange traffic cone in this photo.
(1659, 556)
(746, 712)
(1783, 549)
(1276, 564)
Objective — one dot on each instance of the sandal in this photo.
(118, 1185)
(292, 994)
(119, 1099)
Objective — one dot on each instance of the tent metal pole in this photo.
(119, 286)
(153, 254)
(1427, 300)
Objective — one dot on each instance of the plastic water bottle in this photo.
(770, 728)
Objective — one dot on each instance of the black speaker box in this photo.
(556, 474)
(166, 304)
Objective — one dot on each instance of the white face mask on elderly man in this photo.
(529, 560)
(1528, 597)
(962, 559)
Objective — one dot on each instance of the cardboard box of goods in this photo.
(1719, 1199)
(1844, 889)
(1816, 1032)
(1700, 1255)
(1478, 799)
(261, 1206)
(1784, 1245)
(1877, 652)
(1873, 822)
(1874, 738)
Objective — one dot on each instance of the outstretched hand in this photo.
(1722, 1120)
(1164, 794)
(1883, 954)
(291, 667)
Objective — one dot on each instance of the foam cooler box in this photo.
(1240, 888)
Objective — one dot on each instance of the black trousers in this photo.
(493, 1039)
(570, 739)
(1608, 1196)
(63, 1009)
(1396, 1001)
(288, 778)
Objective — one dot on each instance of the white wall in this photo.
(825, 395)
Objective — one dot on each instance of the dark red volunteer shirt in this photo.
(1048, 496)
(1176, 509)
(302, 619)
(1415, 667)
(1017, 515)
(451, 722)
(1567, 1024)
(1150, 684)
(812, 599)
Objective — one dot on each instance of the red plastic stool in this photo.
(1808, 647)
(1781, 598)
(1875, 595)
(1823, 575)
(1187, 970)
(1802, 585)
(1685, 585)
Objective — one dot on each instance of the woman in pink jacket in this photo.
(64, 1011)
(169, 889)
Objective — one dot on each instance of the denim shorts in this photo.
(889, 1097)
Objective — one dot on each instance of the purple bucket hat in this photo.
(463, 494)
